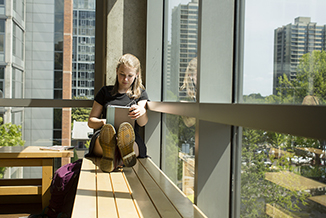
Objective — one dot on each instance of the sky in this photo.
(262, 17)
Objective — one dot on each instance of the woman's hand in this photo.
(138, 111)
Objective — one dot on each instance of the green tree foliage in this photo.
(254, 98)
(80, 114)
(310, 80)
(10, 136)
(256, 191)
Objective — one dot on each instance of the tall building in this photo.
(291, 42)
(184, 29)
(83, 56)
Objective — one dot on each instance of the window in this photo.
(281, 162)
(175, 65)
(257, 79)
(2, 80)
(2, 40)
(17, 83)
(2, 7)
(223, 81)
(180, 85)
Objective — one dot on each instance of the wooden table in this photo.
(29, 156)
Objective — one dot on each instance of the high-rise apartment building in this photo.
(291, 42)
(83, 49)
(184, 28)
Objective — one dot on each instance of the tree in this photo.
(310, 80)
(309, 87)
(256, 191)
(10, 136)
(80, 114)
(254, 98)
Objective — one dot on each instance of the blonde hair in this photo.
(188, 83)
(135, 89)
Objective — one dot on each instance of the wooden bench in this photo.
(140, 191)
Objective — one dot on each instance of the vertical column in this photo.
(134, 30)
(212, 187)
(114, 45)
(67, 72)
(126, 33)
(215, 85)
(100, 44)
(154, 78)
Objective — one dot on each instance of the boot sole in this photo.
(108, 143)
(126, 139)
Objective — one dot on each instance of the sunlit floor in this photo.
(19, 210)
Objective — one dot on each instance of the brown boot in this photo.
(108, 143)
(126, 139)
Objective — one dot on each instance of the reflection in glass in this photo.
(286, 62)
(180, 49)
(178, 152)
(282, 175)
(190, 81)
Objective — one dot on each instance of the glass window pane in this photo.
(2, 26)
(179, 151)
(17, 83)
(2, 43)
(58, 60)
(284, 55)
(180, 50)
(42, 127)
(282, 175)
(37, 49)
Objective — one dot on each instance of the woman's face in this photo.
(126, 77)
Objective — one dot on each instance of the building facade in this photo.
(291, 42)
(83, 56)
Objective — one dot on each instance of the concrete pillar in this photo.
(126, 33)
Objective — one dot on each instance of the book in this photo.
(115, 115)
(57, 148)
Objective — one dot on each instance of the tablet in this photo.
(115, 115)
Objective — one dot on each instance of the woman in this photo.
(190, 80)
(189, 84)
(127, 91)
